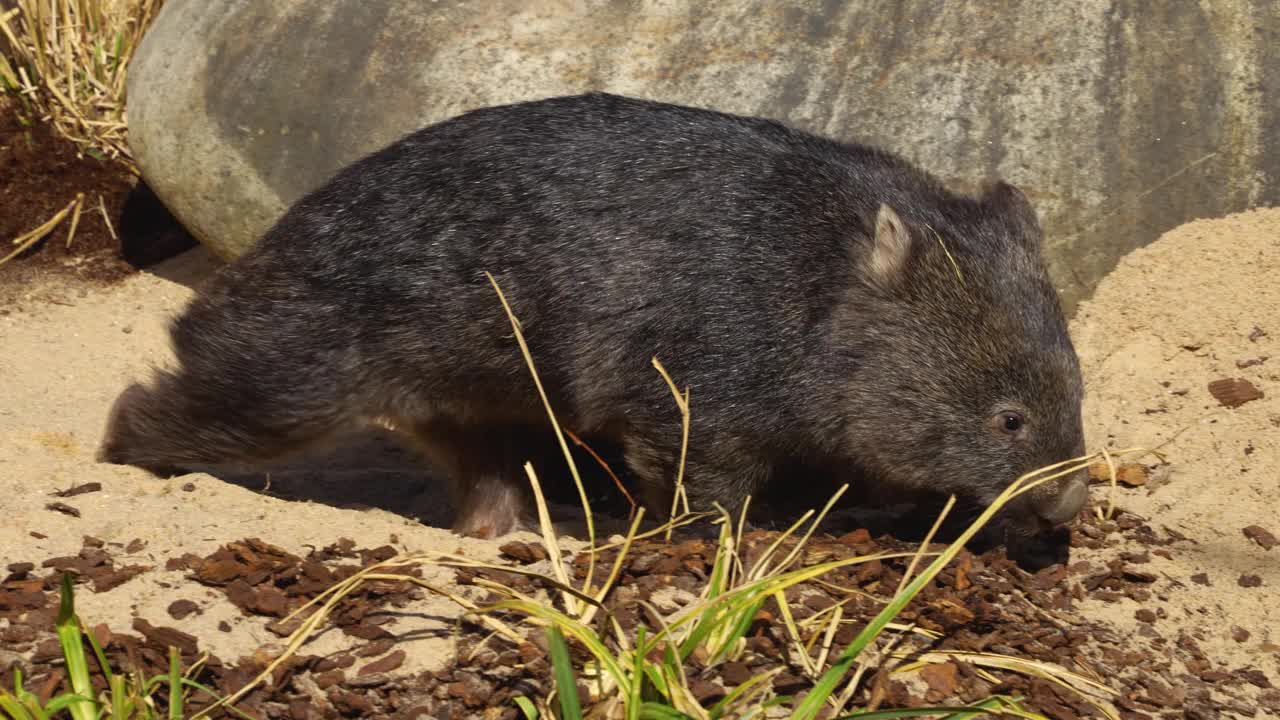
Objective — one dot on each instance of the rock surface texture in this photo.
(1119, 119)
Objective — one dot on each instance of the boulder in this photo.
(1119, 118)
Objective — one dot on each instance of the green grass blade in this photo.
(583, 634)
(720, 569)
(63, 701)
(739, 630)
(175, 684)
(31, 705)
(635, 697)
(952, 712)
(752, 592)
(69, 636)
(562, 667)
(120, 705)
(657, 680)
(13, 709)
(527, 708)
(657, 711)
(7, 75)
(188, 683)
(750, 685)
(102, 658)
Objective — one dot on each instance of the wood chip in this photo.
(179, 609)
(166, 637)
(104, 581)
(1127, 474)
(522, 552)
(86, 488)
(941, 677)
(63, 508)
(1234, 392)
(383, 665)
(1262, 537)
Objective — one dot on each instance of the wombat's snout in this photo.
(1058, 503)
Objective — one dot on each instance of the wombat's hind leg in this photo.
(485, 466)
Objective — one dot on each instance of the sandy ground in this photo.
(1172, 318)
(67, 354)
(1199, 305)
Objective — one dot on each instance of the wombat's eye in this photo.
(1011, 422)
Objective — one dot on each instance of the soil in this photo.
(1172, 602)
(121, 227)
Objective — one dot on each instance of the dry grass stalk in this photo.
(682, 400)
(548, 533)
(1111, 488)
(106, 218)
(75, 218)
(30, 238)
(928, 538)
(67, 64)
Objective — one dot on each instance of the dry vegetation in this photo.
(66, 62)
(63, 63)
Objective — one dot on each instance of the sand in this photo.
(1172, 318)
(1200, 304)
(67, 354)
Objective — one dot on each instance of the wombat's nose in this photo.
(1065, 504)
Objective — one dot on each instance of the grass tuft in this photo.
(128, 696)
(66, 62)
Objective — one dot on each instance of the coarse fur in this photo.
(825, 302)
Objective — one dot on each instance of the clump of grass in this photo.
(128, 696)
(67, 62)
(642, 675)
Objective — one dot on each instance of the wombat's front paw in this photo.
(1037, 552)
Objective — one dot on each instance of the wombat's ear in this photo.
(1012, 207)
(890, 249)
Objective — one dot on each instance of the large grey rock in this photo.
(1120, 118)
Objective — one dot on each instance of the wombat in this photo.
(826, 303)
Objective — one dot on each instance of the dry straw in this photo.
(66, 62)
(25, 241)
